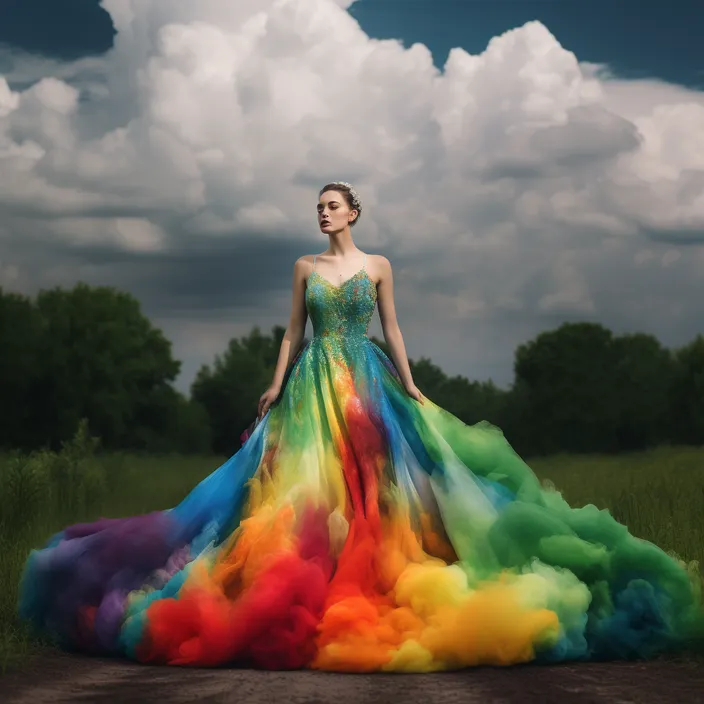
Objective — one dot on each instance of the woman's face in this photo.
(333, 212)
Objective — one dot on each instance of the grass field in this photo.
(659, 494)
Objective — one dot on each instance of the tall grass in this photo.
(659, 494)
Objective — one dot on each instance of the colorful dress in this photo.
(357, 529)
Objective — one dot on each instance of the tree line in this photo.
(91, 353)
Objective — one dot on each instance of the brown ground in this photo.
(71, 678)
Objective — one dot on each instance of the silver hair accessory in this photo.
(356, 201)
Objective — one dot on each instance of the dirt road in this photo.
(71, 678)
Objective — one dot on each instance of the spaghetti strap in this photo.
(315, 256)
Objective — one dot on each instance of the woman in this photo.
(361, 527)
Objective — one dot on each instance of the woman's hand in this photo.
(266, 399)
(414, 392)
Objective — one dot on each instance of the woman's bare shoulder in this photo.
(379, 264)
(379, 260)
(304, 263)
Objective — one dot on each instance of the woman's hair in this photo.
(351, 197)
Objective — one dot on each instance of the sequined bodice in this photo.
(344, 310)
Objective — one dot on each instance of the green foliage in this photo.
(567, 375)
(103, 360)
(229, 390)
(21, 359)
(579, 388)
(471, 401)
(687, 398)
(643, 378)
(57, 484)
(89, 352)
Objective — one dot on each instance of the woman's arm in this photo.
(390, 326)
(296, 324)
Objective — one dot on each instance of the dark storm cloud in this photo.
(199, 275)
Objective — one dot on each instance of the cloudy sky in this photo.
(521, 163)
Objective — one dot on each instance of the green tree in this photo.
(565, 380)
(229, 390)
(643, 378)
(687, 400)
(470, 401)
(103, 360)
(21, 361)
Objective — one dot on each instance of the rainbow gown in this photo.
(359, 530)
